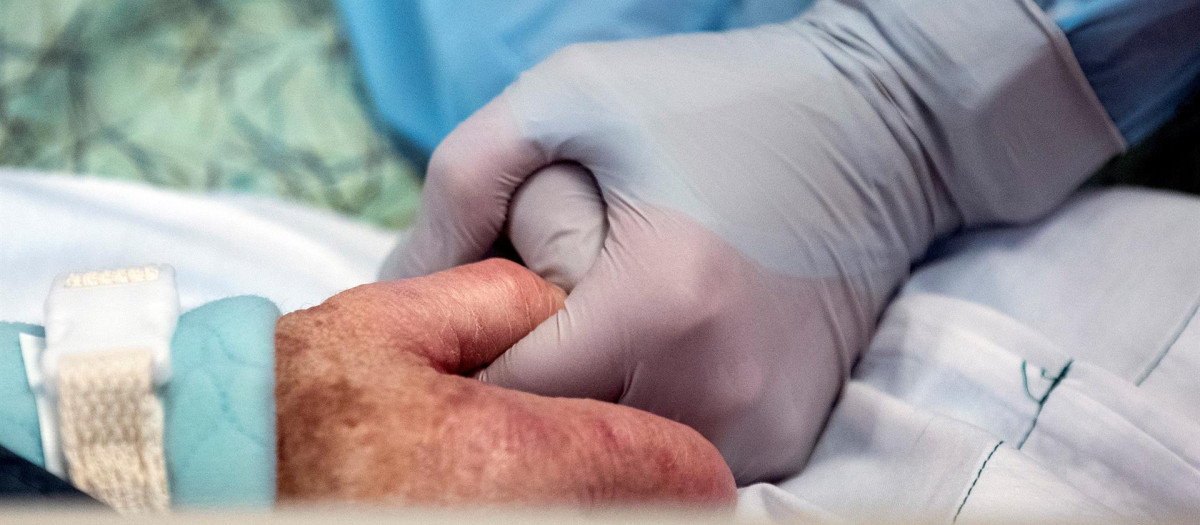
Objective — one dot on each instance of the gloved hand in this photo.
(761, 193)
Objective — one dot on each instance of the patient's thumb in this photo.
(483, 309)
(572, 354)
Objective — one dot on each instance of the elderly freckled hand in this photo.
(374, 404)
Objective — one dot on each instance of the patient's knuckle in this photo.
(516, 278)
(504, 273)
(503, 268)
(507, 282)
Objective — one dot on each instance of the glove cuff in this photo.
(1007, 123)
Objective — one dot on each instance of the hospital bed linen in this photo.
(1045, 372)
(220, 245)
(1041, 372)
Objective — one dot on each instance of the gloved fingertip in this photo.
(557, 223)
(417, 254)
(490, 376)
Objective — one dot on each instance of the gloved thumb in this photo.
(575, 353)
(557, 223)
(471, 179)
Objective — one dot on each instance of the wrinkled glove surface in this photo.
(731, 211)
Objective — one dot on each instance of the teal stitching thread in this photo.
(1163, 354)
(1042, 402)
(978, 475)
(1025, 381)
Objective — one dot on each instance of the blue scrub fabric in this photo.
(428, 64)
(1141, 58)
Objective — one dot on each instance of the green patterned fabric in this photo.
(257, 96)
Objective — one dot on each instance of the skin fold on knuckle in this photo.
(530, 295)
(496, 303)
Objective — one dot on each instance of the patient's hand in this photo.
(372, 406)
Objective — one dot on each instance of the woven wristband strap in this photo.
(107, 351)
(112, 429)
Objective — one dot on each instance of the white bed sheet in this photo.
(220, 245)
(1041, 373)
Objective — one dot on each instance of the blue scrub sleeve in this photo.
(1141, 57)
(429, 64)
